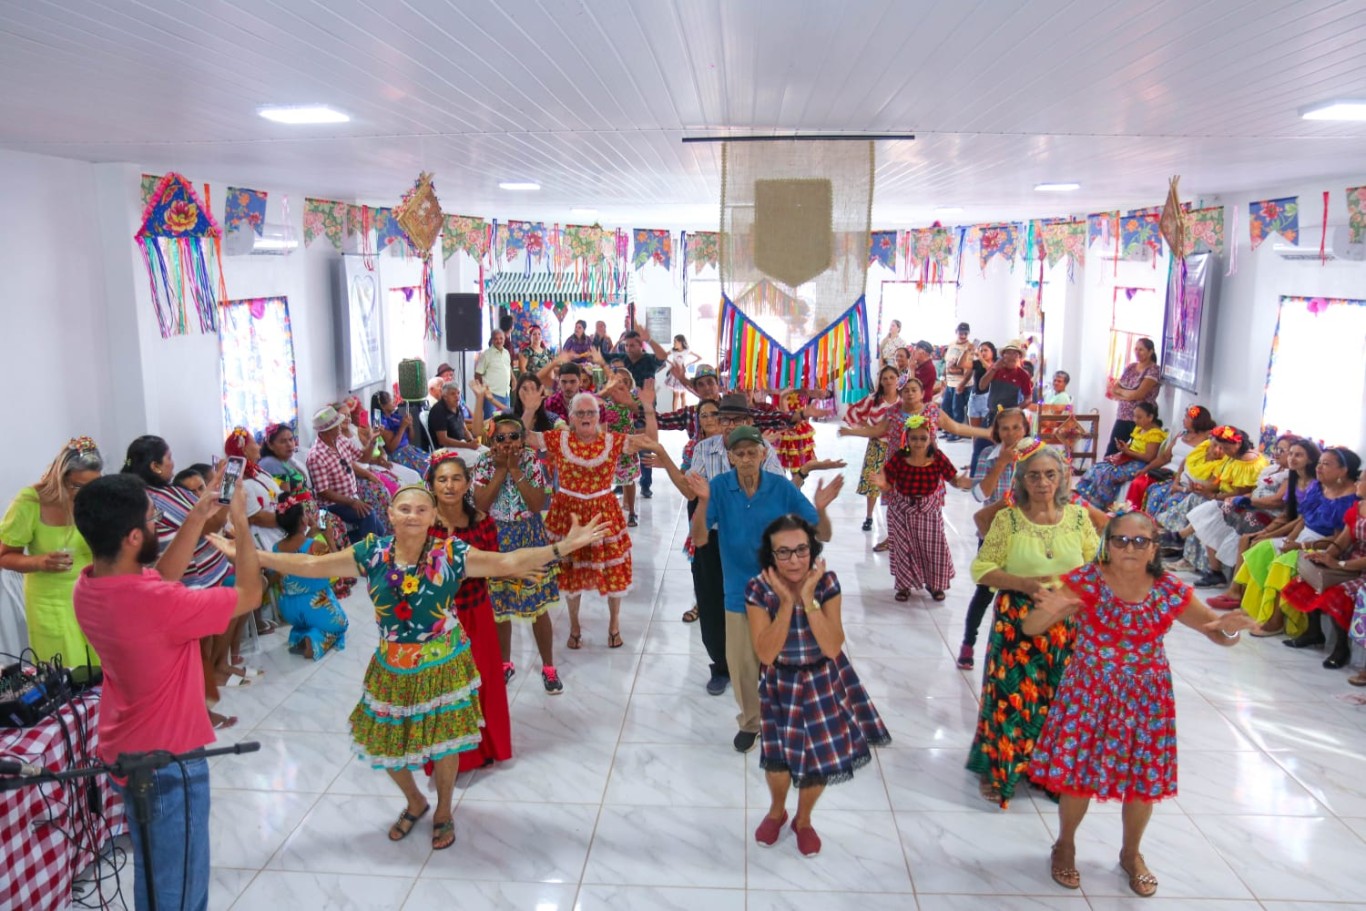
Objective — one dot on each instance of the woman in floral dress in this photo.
(871, 412)
(418, 697)
(317, 622)
(395, 429)
(620, 406)
(1344, 603)
(1111, 730)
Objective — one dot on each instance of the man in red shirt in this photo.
(146, 627)
(923, 366)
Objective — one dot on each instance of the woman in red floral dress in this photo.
(1110, 733)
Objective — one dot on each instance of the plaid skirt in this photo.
(514, 599)
(873, 459)
(816, 722)
(919, 550)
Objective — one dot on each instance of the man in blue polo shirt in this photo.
(740, 504)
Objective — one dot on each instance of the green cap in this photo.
(744, 435)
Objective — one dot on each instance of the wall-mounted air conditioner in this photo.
(274, 240)
(1338, 246)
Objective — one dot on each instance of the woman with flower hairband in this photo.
(913, 482)
(317, 622)
(38, 538)
(1196, 427)
(418, 701)
(278, 448)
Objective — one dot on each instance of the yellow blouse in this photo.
(1198, 466)
(1021, 548)
(1240, 473)
(1139, 440)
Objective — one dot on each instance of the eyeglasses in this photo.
(584, 413)
(156, 515)
(513, 435)
(1034, 477)
(783, 554)
(1138, 542)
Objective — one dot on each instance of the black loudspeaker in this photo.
(463, 330)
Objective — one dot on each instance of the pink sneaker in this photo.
(769, 830)
(965, 657)
(808, 842)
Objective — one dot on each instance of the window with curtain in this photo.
(1317, 374)
(1135, 313)
(404, 332)
(928, 311)
(256, 347)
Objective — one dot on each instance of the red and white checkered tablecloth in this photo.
(37, 861)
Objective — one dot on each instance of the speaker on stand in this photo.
(463, 330)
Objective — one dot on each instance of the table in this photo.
(37, 861)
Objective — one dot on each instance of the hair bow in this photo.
(81, 444)
(295, 499)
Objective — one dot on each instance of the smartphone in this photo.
(233, 474)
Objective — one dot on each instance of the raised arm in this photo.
(523, 561)
(177, 556)
(701, 489)
(310, 566)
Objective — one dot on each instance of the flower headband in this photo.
(442, 455)
(1228, 434)
(239, 433)
(300, 498)
(81, 444)
(916, 421)
(1193, 411)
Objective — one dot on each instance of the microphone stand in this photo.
(138, 769)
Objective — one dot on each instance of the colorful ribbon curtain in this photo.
(1356, 213)
(882, 249)
(1058, 238)
(836, 358)
(325, 218)
(1003, 240)
(1274, 216)
(178, 234)
(244, 207)
(652, 245)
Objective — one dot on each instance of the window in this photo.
(1317, 339)
(256, 347)
(1135, 313)
(405, 327)
(928, 312)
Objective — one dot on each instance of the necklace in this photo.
(405, 581)
(1045, 534)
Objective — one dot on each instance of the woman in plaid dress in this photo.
(816, 720)
(866, 414)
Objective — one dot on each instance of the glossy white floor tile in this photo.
(625, 792)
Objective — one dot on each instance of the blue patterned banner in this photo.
(244, 207)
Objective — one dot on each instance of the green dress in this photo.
(52, 626)
(420, 694)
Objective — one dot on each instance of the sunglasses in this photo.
(513, 435)
(783, 554)
(1138, 542)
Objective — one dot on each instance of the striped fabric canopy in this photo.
(505, 288)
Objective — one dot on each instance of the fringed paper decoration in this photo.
(1058, 238)
(1205, 230)
(1274, 216)
(418, 216)
(324, 218)
(701, 249)
(464, 232)
(932, 249)
(1139, 237)
(837, 358)
(178, 239)
(244, 207)
(652, 245)
(1356, 213)
(1172, 223)
(882, 249)
(1002, 240)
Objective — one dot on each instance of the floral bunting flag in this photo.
(244, 206)
(703, 250)
(324, 218)
(149, 185)
(1356, 213)
(1139, 237)
(933, 244)
(1274, 216)
(582, 244)
(387, 230)
(518, 237)
(1062, 238)
(1102, 226)
(999, 239)
(355, 220)
(465, 232)
(882, 249)
(652, 246)
(1205, 228)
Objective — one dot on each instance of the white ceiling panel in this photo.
(592, 98)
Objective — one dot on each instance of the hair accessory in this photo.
(299, 498)
(441, 455)
(916, 421)
(1193, 411)
(81, 444)
(414, 487)
(1228, 434)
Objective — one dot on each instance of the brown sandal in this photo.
(1357, 679)
(903, 594)
(1141, 879)
(1064, 872)
(614, 639)
(989, 791)
(690, 615)
(575, 641)
(443, 834)
(399, 830)
(882, 546)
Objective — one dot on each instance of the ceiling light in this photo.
(518, 185)
(949, 210)
(311, 113)
(583, 213)
(1335, 110)
(1064, 187)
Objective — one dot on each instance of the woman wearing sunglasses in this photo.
(1111, 730)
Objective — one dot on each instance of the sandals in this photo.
(443, 834)
(614, 639)
(989, 791)
(690, 615)
(222, 722)
(1064, 872)
(903, 594)
(936, 594)
(1141, 879)
(398, 831)
(632, 521)
(882, 546)
(575, 641)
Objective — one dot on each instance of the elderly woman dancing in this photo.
(419, 699)
(1111, 730)
(1030, 543)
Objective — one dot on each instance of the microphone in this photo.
(22, 769)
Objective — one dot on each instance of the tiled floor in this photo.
(625, 791)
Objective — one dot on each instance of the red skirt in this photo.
(1337, 602)
(482, 631)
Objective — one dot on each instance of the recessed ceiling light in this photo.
(583, 213)
(948, 210)
(1335, 110)
(518, 185)
(310, 113)
(1064, 187)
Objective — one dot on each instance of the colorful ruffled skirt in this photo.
(514, 599)
(874, 458)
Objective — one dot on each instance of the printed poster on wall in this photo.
(1184, 339)
(362, 337)
(659, 320)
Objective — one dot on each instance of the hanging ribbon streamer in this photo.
(836, 359)
(1232, 236)
(1323, 236)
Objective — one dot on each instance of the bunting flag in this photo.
(836, 358)
(1139, 237)
(581, 246)
(1356, 213)
(149, 185)
(356, 220)
(324, 218)
(702, 249)
(882, 249)
(1274, 216)
(1062, 237)
(178, 234)
(652, 246)
(1103, 227)
(465, 232)
(932, 246)
(387, 230)
(1003, 240)
(244, 207)
(517, 238)
(1205, 230)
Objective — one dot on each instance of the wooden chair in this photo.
(1078, 434)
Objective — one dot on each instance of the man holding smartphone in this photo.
(146, 627)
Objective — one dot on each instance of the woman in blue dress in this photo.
(317, 621)
(395, 427)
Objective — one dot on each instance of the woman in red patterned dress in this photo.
(1110, 733)
(585, 459)
(456, 516)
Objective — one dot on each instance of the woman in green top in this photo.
(1039, 537)
(39, 539)
(419, 698)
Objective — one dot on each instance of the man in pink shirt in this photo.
(146, 627)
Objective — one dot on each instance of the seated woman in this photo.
(394, 428)
(278, 448)
(317, 622)
(1221, 526)
(1101, 483)
(1267, 569)
(1196, 427)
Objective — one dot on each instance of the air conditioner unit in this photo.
(1338, 246)
(274, 240)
